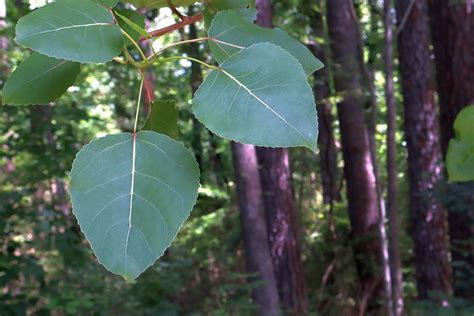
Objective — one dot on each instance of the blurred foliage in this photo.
(46, 266)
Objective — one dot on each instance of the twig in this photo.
(405, 17)
(176, 26)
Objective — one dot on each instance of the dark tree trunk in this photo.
(392, 205)
(254, 229)
(429, 229)
(280, 212)
(196, 80)
(452, 29)
(358, 167)
(326, 142)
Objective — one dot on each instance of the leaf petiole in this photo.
(138, 103)
(134, 44)
(172, 58)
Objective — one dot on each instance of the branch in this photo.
(405, 17)
(176, 26)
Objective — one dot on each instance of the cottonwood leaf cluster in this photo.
(131, 192)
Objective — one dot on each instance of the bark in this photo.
(428, 217)
(254, 229)
(358, 167)
(392, 205)
(452, 29)
(280, 212)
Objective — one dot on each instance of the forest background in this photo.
(370, 225)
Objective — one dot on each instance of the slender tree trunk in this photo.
(326, 142)
(3, 43)
(280, 212)
(429, 229)
(196, 80)
(372, 129)
(392, 206)
(358, 167)
(254, 229)
(452, 29)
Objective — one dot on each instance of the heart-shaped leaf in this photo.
(163, 118)
(39, 79)
(232, 27)
(460, 156)
(130, 196)
(81, 31)
(259, 96)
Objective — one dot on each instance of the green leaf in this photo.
(233, 28)
(460, 156)
(163, 118)
(156, 4)
(131, 195)
(260, 96)
(109, 3)
(218, 5)
(81, 31)
(39, 79)
(133, 24)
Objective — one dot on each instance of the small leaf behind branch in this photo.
(232, 27)
(163, 118)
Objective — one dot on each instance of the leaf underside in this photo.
(81, 31)
(259, 96)
(39, 79)
(232, 27)
(131, 195)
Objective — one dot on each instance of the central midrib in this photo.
(134, 146)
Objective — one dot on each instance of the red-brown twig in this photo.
(178, 25)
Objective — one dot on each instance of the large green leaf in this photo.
(163, 118)
(156, 4)
(81, 31)
(39, 79)
(460, 156)
(260, 96)
(232, 27)
(131, 195)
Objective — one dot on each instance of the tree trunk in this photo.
(358, 167)
(280, 212)
(3, 43)
(326, 142)
(452, 29)
(424, 153)
(196, 80)
(392, 206)
(254, 229)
